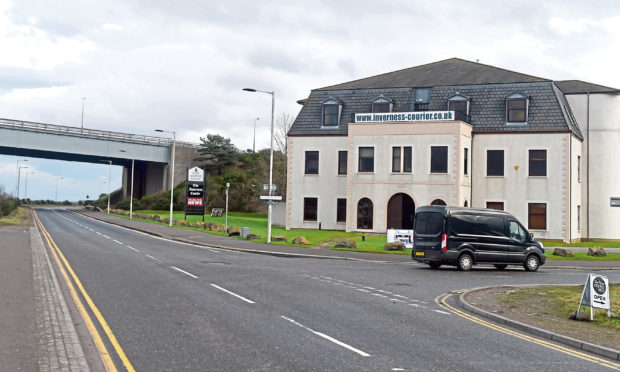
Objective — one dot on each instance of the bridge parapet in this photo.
(91, 133)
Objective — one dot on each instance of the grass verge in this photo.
(18, 217)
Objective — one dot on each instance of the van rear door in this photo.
(427, 232)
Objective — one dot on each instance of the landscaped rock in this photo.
(165, 219)
(252, 236)
(278, 238)
(200, 224)
(155, 218)
(301, 240)
(234, 231)
(345, 244)
(394, 246)
(221, 228)
(581, 316)
(563, 252)
(183, 223)
(597, 252)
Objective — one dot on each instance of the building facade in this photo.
(363, 155)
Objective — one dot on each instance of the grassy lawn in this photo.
(593, 243)
(552, 306)
(373, 243)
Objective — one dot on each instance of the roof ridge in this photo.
(584, 82)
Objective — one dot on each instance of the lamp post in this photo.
(254, 140)
(269, 208)
(57, 179)
(17, 181)
(132, 177)
(19, 176)
(174, 136)
(82, 130)
(26, 186)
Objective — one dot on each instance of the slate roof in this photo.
(487, 87)
(578, 86)
(453, 71)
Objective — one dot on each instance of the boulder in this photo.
(221, 228)
(563, 252)
(394, 246)
(597, 252)
(200, 224)
(581, 316)
(252, 236)
(183, 223)
(165, 219)
(345, 244)
(234, 231)
(301, 240)
(278, 238)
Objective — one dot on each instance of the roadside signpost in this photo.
(195, 192)
(403, 236)
(595, 295)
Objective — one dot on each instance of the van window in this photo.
(477, 225)
(517, 232)
(428, 223)
(493, 226)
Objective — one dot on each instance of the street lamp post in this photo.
(19, 176)
(82, 130)
(109, 184)
(26, 186)
(132, 177)
(174, 140)
(254, 140)
(269, 206)
(57, 179)
(17, 181)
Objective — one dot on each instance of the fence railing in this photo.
(91, 133)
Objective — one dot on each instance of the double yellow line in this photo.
(441, 301)
(103, 351)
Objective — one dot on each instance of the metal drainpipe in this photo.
(588, 164)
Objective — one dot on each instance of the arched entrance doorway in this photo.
(400, 211)
(438, 202)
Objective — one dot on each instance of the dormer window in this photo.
(460, 105)
(421, 99)
(332, 109)
(382, 104)
(517, 106)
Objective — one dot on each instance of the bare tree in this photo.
(282, 125)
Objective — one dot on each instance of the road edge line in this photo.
(104, 324)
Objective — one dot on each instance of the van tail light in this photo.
(444, 242)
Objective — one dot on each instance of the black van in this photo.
(467, 236)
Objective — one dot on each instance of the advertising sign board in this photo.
(403, 236)
(596, 294)
(195, 192)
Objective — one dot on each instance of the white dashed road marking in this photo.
(184, 272)
(232, 293)
(152, 258)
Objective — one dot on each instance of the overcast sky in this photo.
(180, 65)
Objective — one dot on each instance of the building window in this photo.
(312, 162)
(579, 218)
(495, 162)
(496, 205)
(537, 216)
(538, 163)
(421, 99)
(578, 168)
(332, 109)
(460, 105)
(341, 210)
(407, 159)
(516, 108)
(310, 208)
(466, 161)
(382, 104)
(342, 162)
(439, 159)
(401, 156)
(366, 159)
(438, 202)
(396, 159)
(364, 214)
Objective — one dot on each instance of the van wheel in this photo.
(501, 267)
(532, 263)
(434, 265)
(465, 262)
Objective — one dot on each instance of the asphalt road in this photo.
(175, 307)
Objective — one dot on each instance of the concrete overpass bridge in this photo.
(151, 154)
